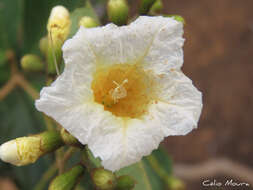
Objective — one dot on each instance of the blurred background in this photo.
(218, 49)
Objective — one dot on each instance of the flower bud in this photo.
(43, 45)
(175, 184)
(88, 22)
(177, 18)
(117, 11)
(58, 29)
(125, 182)
(103, 179)
(156, 7)
(68, 180)
(26, 150)
(68, 139)
(31, 62)
(58, 25)
(145, 6)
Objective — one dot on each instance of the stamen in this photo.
(119, 92)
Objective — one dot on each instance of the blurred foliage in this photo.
(22, 25)
(145, 176)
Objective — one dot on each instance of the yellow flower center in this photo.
(125, 90)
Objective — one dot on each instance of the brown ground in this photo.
(218, 49)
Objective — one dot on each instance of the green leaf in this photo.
(4, 74)
(23, 22)
(18, 117)
(78, 13)
(11, 23)
(145, 175)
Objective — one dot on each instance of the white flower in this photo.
(122, 90)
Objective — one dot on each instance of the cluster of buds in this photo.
(104, 179)
(58, 29)
(27, 150)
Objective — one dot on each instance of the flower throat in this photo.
(125, 90)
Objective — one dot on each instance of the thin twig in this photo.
(51, 171)
(68, 154)
(46, 177)
(61, 160)
(12, 82)
(59, 155)
(7, 88)
(16, 79)
(27, 87)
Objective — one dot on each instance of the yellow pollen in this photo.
(125, 90)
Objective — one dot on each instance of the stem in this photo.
(8, 87)
(27, 87)
(68, 154)
(12, 82)
(46, 177)
(59, 154)
(155, 165)
(16, 79)
(48, 122)
(52, 170)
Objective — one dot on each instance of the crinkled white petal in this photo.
(179, 105)
(154, 41)
(127, 144)
(80, 60)
(116, 141)
(165, 51)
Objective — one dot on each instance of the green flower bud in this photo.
(27, 150)
(103, 179)
(177, 18)
(32, 62)
(68, 180)
(145, 6)
(156, 7)
(125, 182)
(43, 45)
(68, 139)
(175, 184)
(117, 11)
(88, 22)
